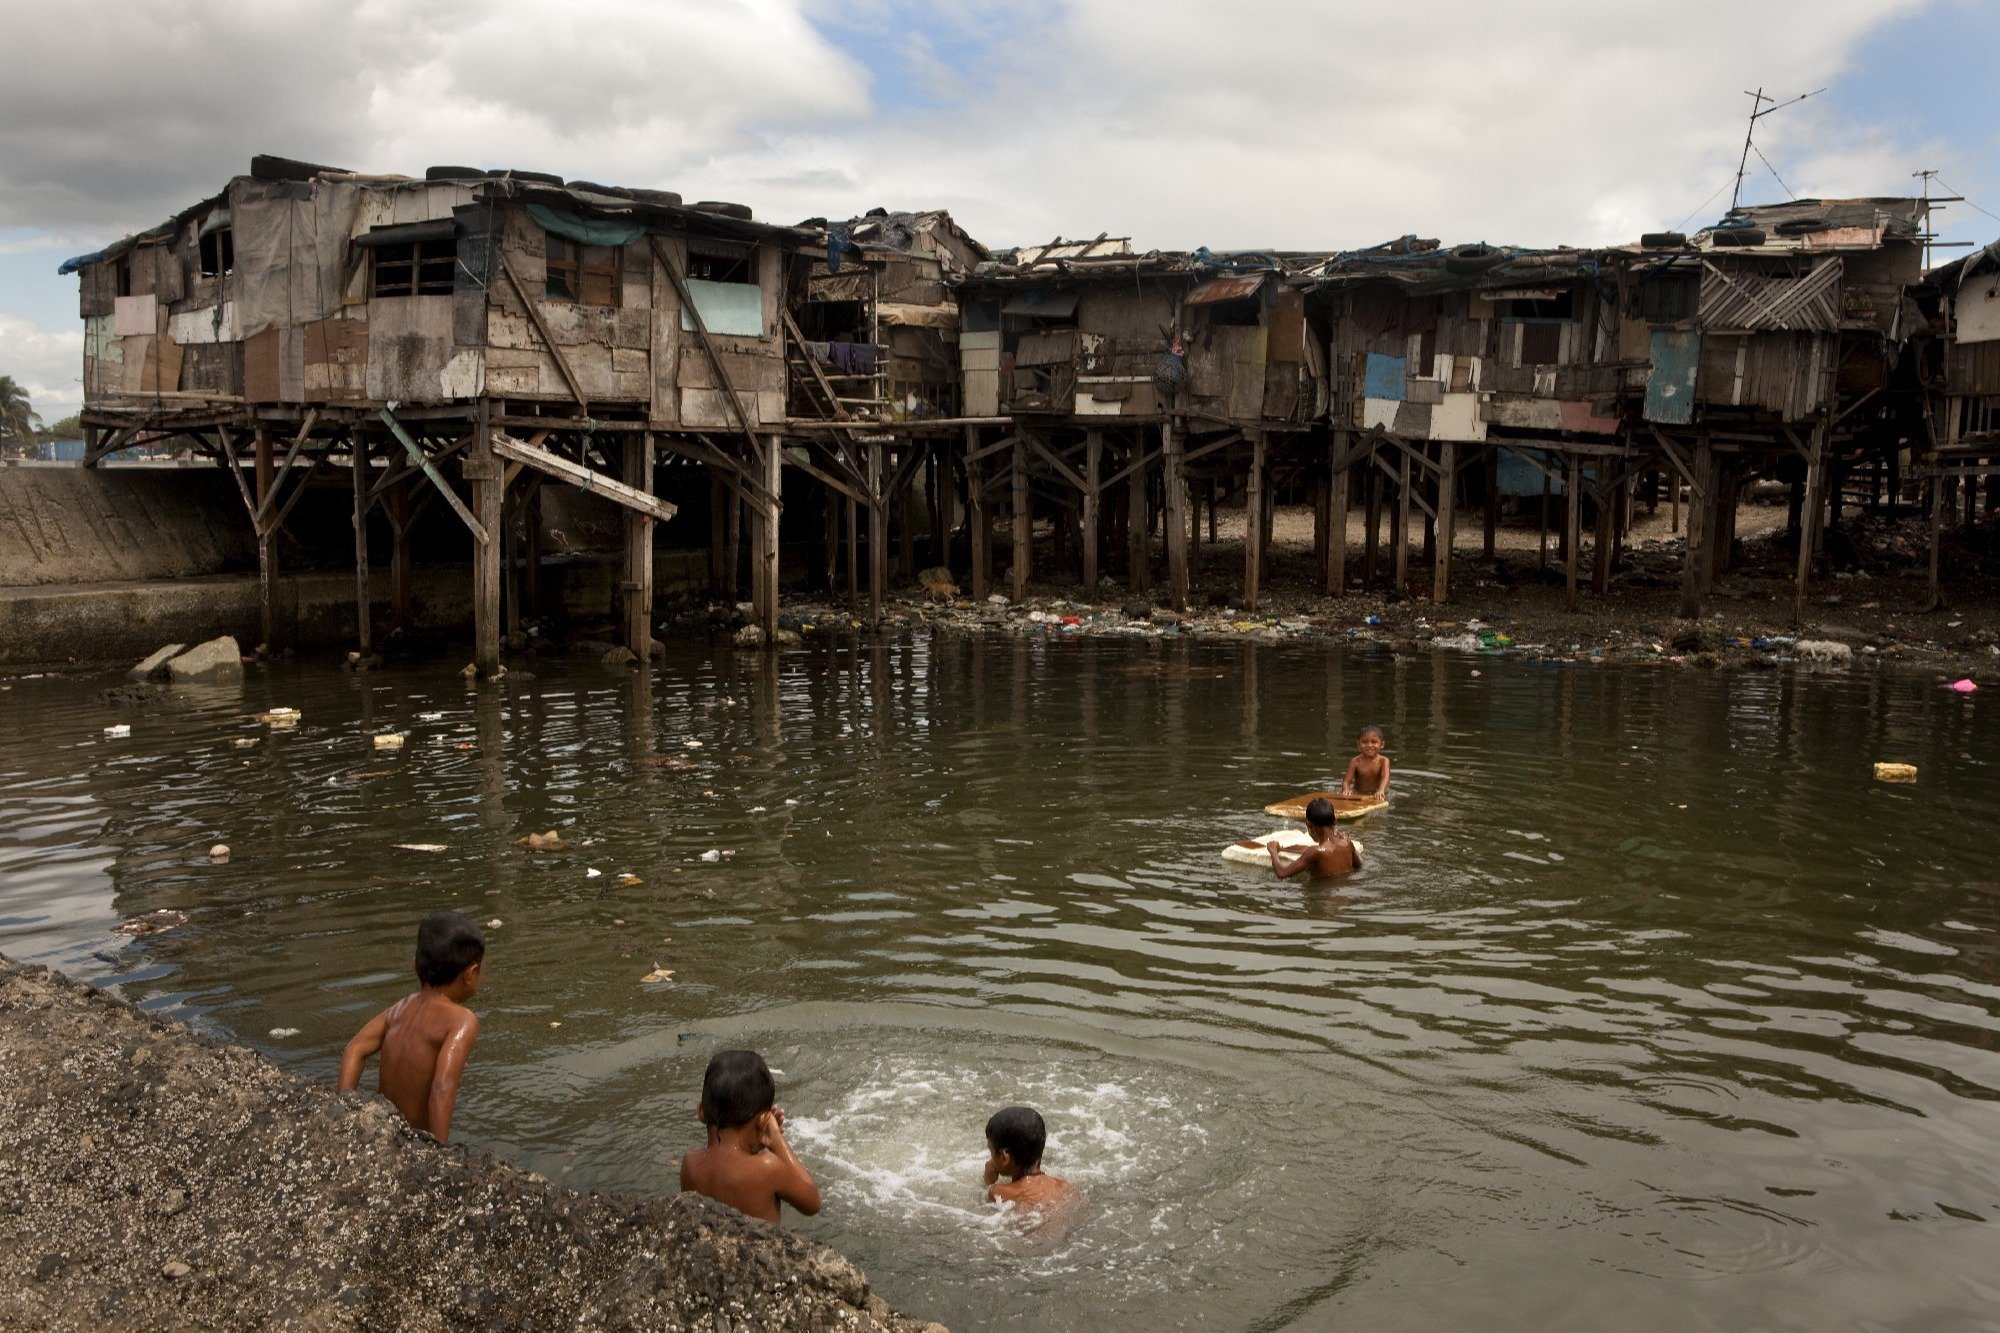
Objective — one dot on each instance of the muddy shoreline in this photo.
(151, 1177)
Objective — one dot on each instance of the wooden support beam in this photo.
(1813, 516)
(466, 516)
(357, 443)
(482, 471)
(1694, 559)
(267, 538)
(267, 496)
(1447, 485)
(1572, 535)
(531, 539)
(1024, 530)
(1339, 482)
(1138, 532)
(1253, 522)
(583, 478)
(399, 556)
(1489, 535)
(1371, 556)
(1937, 538)
(1093, 467)
(977, 518)
(1173, 480)
(878, 531)
(637, 585)
(771, 463)
(534, 308)
(1400, 527)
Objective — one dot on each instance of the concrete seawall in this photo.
(104, 565)
(153, 1178)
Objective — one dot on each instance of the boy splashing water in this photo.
(425, 1038)
(747, 1163)
(1015, 1138)
(1332, 852)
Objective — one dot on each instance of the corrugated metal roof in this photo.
(1232, 288)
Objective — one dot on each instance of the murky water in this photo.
(1652, 1011)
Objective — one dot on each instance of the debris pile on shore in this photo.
(150, 1177)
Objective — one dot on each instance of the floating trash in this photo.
(418, 846)
(118, 732)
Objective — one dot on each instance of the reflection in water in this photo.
(1650, 1009)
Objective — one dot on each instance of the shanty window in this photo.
(415, 268)
(722, 261)
(218, 253)
(1560, 306)
(121, 276)
(585, 274)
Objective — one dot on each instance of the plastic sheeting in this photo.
(587, 231)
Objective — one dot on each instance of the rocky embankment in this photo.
(153, 1178)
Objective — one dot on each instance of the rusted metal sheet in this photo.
(1232, 288)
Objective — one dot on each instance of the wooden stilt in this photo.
(1447, 495)
(1694, 560)
(1371, 485)
(1572, 521)
(719, 498)
(1024, 521)
(399, 555)
(267, 539)
(977, 516)
(1937, 536)
(1400, 526)
(357, 443)
(1490, 534)
(482, 469)
(531, 536)
(1173, 483)
(878, 530)
(1542, 547)
(732, 547)
(1093, 471)
(830, 539)
(1253, 522)
(1339, 480)
(637, 584)
(1605, 535)
(1138, 553)
(770, 472)
(1810, 518)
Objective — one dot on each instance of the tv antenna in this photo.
(1757, 112)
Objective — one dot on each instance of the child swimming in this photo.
(1015, 1138)
(426, 1038)
(1368, 772)
(1331, 853)
(746, 1164)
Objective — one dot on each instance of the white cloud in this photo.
(48, 363)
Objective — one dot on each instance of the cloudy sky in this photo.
(1292, 123)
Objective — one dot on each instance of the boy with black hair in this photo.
(1015, 1137)
(1368, 772)
(425, 1038)
(1332, 852)
(747, 1163)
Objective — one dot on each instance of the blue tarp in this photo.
(1385, 377)
(1670, 388)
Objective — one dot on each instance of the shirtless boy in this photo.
(1332, 852)
(1015, 1138)
(1368, 772)
(425, 1038)
(747, 1163)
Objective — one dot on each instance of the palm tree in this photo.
(17, 417)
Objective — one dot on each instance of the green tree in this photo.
(69, 428)
(17, 417)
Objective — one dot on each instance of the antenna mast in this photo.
(1757, 112)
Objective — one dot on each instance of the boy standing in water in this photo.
(1015, 1138)
(425, 1038)
(1368, 772)
(747, 1163)
(1332, 852)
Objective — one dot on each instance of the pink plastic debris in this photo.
(1964, 686)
